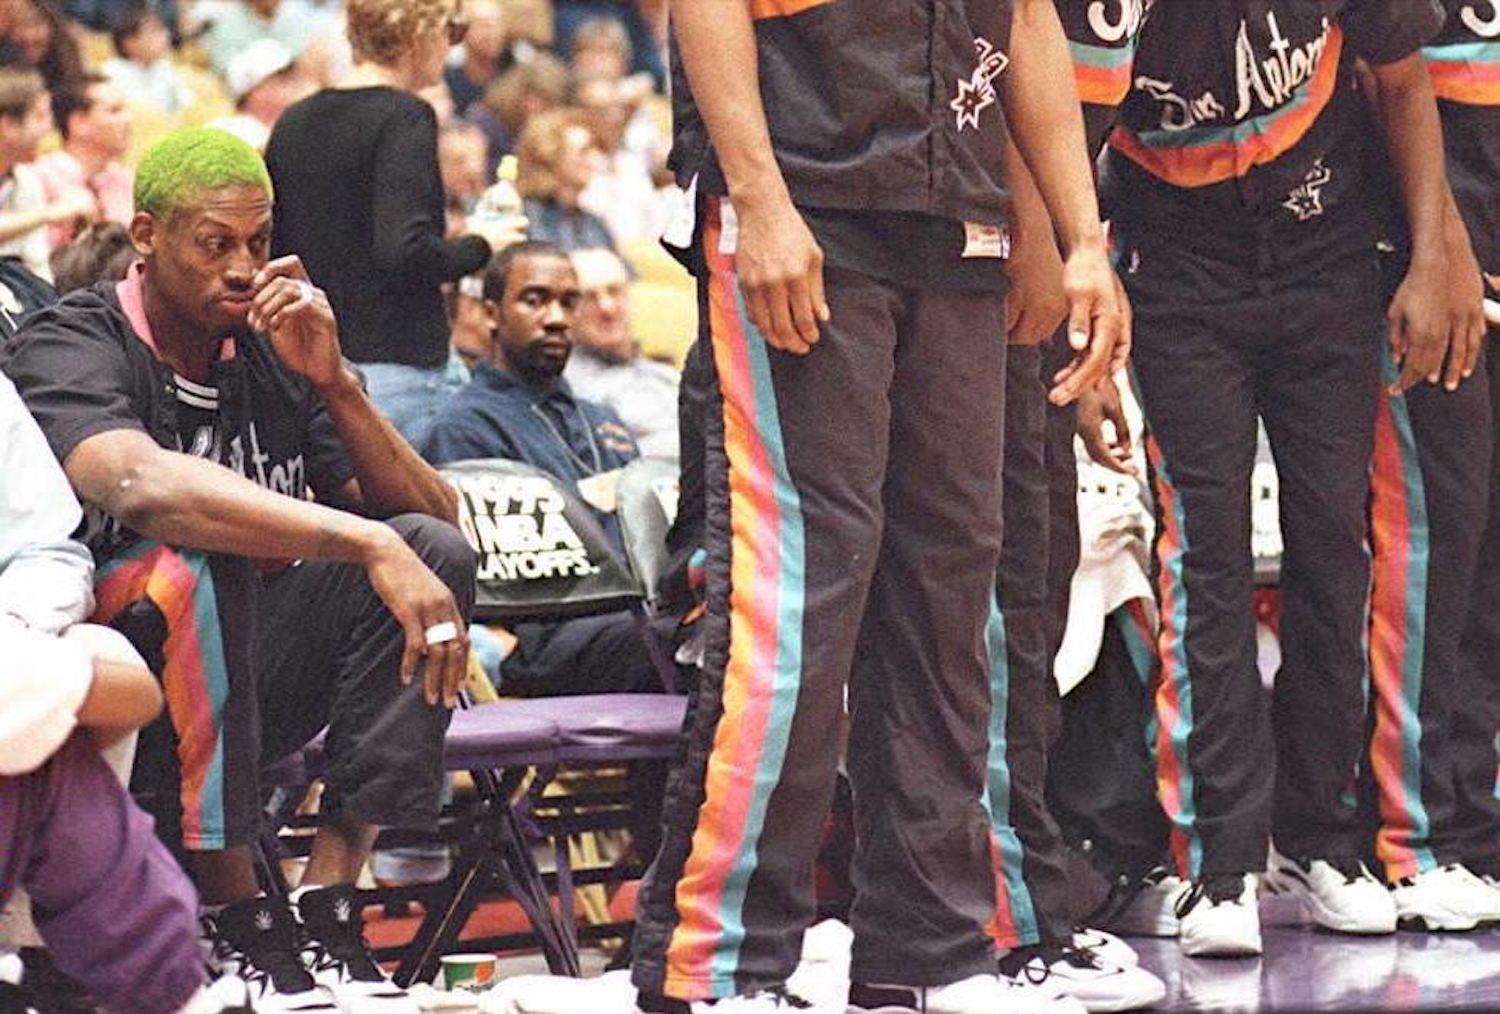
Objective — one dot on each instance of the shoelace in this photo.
(779, 994)
(1026, 965)
(1217, 889)
(1352, 870)
(271, 962)
(349, 950)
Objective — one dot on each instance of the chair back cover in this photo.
(542, 555)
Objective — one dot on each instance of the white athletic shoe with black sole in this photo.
(1219, 917)
(978, 994)
(1338, 894)
(256, 940)
(1097, 984)
(1445, 900)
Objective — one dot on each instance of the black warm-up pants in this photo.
(853, 513)
(1220, 341)
(1040, 552)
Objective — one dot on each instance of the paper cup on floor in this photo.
(472, 972)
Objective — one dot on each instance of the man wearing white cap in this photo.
(263, 79)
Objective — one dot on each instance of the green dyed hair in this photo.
(187, 162)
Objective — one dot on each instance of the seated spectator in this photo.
(234, 24)
(194, 406)
(94, 122)
(101, 252)
(143, 66)
(519, 407)
(117, 913)
(525, 91)
(646, 53)
(461, 155)
(607, 365)
(263, 80)
(486, 54)
(25, 211)
(39, 38)
(557, 154)
(622, 190)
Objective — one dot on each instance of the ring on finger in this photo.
(441, 633)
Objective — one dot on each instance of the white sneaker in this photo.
(1485, 896)
(229, 995)
(1101, 985)
(978, 994)
(1338, 894)
(1219, 917)
(1444, 900)
(1150, 908)
(1107, 947)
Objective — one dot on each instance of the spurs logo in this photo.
(1306, 201)
(978, 93)
(1124, 24)
(264, 920)
(1487, 25)
(341, 910)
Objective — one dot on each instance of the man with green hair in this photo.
(194, 406)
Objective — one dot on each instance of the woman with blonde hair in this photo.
(360, 199)
(558, 156)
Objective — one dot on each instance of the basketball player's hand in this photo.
(1427, 328)
(1098, 322)
(780, 267)
(1097, 406)
(1037, 302)
(1466, 304)
(296, 316)
(419, 601)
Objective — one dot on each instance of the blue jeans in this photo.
(411, 396)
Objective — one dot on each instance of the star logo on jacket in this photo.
(341, 910)
(977, 94)
(264, 920)
(1306, 200)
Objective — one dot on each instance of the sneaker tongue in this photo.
(1350, 869)
(1224, 888)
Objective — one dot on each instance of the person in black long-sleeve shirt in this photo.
(359, 198)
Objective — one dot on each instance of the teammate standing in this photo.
(1245, 220)
(848, 242)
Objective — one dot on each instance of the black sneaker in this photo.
(256, 940)
(334, 948)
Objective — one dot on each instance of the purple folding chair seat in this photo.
(482, 736)
(600, 728)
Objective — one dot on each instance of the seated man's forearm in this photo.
(188, 502)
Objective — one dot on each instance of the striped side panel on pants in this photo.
(1400, 538)
(196, 678)
(763, 673)
(1174, 691)
(1015, 922)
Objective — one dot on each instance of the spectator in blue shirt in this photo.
(518, 406)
